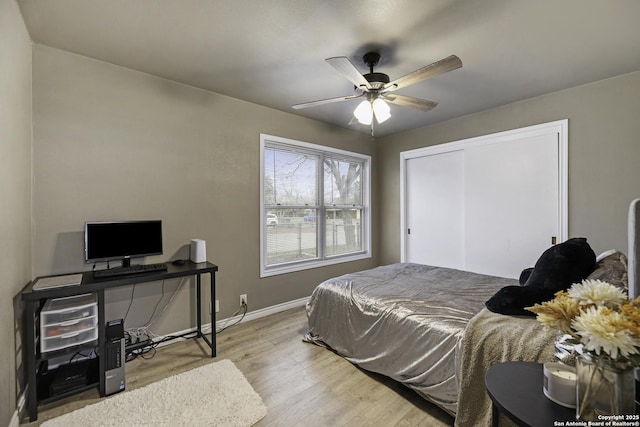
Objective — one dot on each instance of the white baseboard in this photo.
(15, 419)
(206, 328)
(251, 315)
(263, 312)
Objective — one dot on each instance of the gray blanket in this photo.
(490, 338)
(404, 321)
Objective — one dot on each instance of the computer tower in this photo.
(114, 357)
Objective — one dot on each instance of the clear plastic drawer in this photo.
(69, 321)
(69, 339)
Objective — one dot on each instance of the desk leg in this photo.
(101, 342)
(213, 314)
(30, 359)
(211, 343)
(199, 304)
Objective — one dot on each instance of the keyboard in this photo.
(134, 269)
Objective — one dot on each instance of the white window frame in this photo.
(323, 260)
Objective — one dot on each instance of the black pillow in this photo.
(557, 269)
(524, 276)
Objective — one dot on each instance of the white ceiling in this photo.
(271, 52)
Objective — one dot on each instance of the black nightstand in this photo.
(515, 389)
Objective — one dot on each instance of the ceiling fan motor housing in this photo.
(377, 80)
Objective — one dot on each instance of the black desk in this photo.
(34, 300)
(515, 388)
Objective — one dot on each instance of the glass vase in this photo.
(603, 388)
(566, 350)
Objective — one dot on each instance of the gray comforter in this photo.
(404, 321)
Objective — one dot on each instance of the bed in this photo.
(427, 328)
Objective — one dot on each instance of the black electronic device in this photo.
(122, 240)
(132, 269)
(114, 357)
(69, 377)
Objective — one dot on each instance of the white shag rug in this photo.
(217, 394)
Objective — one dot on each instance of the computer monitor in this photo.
(122, 240)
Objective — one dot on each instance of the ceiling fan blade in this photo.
(440, 67)
(410, 101)
(324, 101)
(348, 71)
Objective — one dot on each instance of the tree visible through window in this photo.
(314, 205)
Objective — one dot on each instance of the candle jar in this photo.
(559, 383)
(603, 388)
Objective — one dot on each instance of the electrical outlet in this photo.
(217, 306)
(243, 299)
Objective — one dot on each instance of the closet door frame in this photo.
(559, 128)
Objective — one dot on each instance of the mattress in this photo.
(404, 321)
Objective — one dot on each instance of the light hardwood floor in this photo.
(301, 384)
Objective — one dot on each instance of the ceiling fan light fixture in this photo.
(364, 112)
(381, 110)
(375, 87)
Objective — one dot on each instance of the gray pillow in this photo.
(611, 267)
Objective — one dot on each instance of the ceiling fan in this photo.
(377, 88)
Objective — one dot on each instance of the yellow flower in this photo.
(599, 316)
(631, 311)
(557, 313)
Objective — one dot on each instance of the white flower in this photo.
(596, 292)
(604, 330)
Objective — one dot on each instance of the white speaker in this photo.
(198, 250)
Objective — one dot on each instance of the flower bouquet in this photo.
(605, 326)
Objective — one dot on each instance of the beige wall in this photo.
(111, 143)
(604, 154)
(15, 193)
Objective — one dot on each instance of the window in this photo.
(314, 206)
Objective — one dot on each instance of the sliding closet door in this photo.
(511, 204)
(435, 206)
(490, 204)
